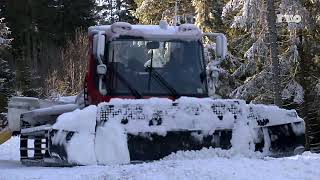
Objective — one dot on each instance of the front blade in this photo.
(158, 127)
(151, 146)
(161, 115)
(143, 130)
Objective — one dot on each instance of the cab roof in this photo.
(185, 32)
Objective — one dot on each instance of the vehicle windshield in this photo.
(155, 67)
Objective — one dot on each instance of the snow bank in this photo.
(10, 149)
(207, 153)
(204, 164)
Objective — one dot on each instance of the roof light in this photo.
(120, 27)
(163, 24)
(190, 31)
(188, 28)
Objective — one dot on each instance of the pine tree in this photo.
(6, 83)
(41, 29)
(6, 73)
(62, 17)
(110, 11)
(308, 72)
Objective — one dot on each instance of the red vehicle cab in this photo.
(143, 61)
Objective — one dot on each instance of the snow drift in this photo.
(204, 164)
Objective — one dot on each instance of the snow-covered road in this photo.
(205, 164)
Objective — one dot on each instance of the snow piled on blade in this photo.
(141, 111)
(79, 120)
(184, 113)
(273, 114)
(80, 148)
(105, 145)
(242, 137)
(111, 144)
(100, 132)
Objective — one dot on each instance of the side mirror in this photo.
(98, 46)
(101, 69)
(153, 45)
(98, 53)
(221, 44)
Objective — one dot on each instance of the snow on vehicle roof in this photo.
(187, 32)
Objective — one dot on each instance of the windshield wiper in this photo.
(133, 90)
(163, 82)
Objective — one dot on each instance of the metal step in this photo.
(46, 162)
(39, 152)
(36, 131)
(32, 149)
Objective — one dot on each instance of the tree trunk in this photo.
(304, 110)
(272, 31)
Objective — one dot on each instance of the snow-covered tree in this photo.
(152, 11)
(208, 14)
(297, 44)
(247, 20)
(4, 33)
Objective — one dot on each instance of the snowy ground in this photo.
(205, 164)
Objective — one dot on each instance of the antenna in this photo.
(111, 13)
(176, 13)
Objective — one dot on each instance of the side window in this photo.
(176, 52)
(118, 51)
(160, 55)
